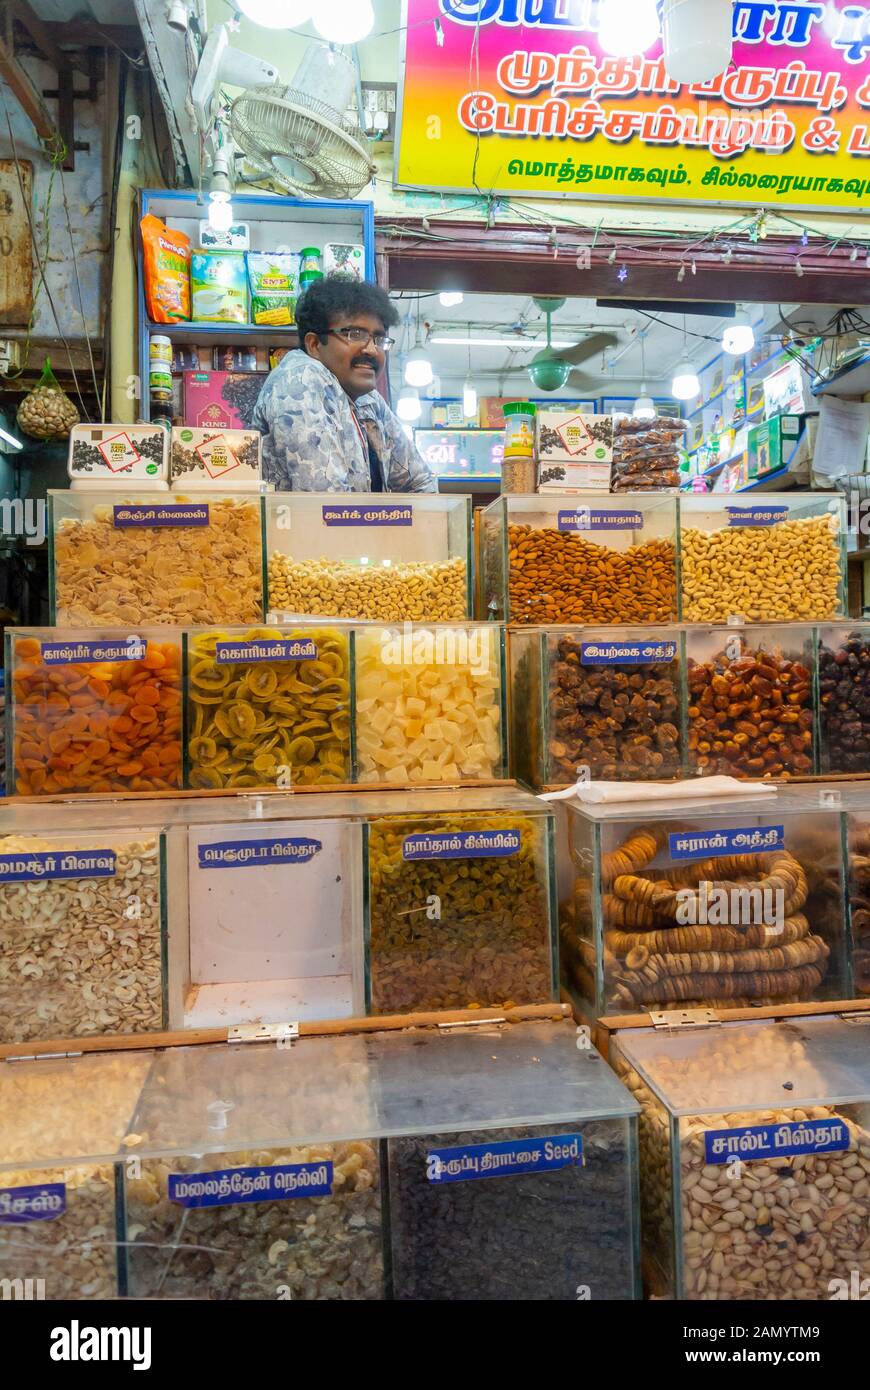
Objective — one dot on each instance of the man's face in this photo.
(356, 365)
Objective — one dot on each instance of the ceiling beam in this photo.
(38, 31)
(85, 33)
(26, 95)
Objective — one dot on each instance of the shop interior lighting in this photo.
(344, 21)
(739, 336)
(220, 208)
(469, 392)
(10, 440)
(696, 38)
(627, 27)
(418, 365)
(685, 386)
(408, 406)
(518, 344)
(644, 406)
(448, 299)
(277, 14)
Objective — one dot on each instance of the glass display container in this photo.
(509, 1185)
(93, 711)
(595, 704)
(687, 905)
(429, 703)
(750, 700)
(858, 833)
(498, 1163)
(459, 909)
(390, 558)
(60, 1149)
(843, 658)
(82, 925)
(580, 559)
(755, 1158)
(119, 558)
(268, 706)
(780, 557)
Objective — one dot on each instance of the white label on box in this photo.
(575, 436)
(217, 456)
(119, 452)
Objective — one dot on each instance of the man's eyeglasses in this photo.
(361, 337)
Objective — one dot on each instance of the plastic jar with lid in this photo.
(310, 260)
(519, 430)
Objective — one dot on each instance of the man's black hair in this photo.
(341, 297)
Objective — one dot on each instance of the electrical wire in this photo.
(75, 264)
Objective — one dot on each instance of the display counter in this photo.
(390, 558)
(737, 903)
(492, 1164)
(580, 559)
(234, 910)
(755, 1158)
(778, 558)
(120, 558)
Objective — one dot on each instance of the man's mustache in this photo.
(365, 362)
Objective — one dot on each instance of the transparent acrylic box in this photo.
(509, 1186)
(595, 704)
(858, 841)
(686, 905)
(60, 1147)
(580, 559)
(459, 909)
(773, 558)
(82, 922)
(750, 700)
(93, 710)
(115, 559)
(755, 1158)
(393, 557)
(843, 657)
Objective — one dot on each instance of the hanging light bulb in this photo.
(409, 406)
(644, 406)
(448, 299)
(627, 27)
(469, 399)
(220, 208)
(344, 21)
(277, 14)
(739, 336)
(697, 36)
(685, 386)
(418, 368)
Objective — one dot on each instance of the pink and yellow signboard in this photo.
(517, 97)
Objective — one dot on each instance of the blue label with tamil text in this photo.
(756, 516)
(473, 844)
(628, 653)
(227, 1187)
(269, 649)
(587, 519)
(474, 1161)
(71, 653)
(338, 514)
(246, 854)
(776, 1141)
(44, 1203)
(704, 844)
(35, 864)
(161, 514)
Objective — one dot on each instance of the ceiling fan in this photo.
(550, 369)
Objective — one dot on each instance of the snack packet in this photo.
(273, 277)
(166, 255)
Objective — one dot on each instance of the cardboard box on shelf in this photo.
(221, 400)
(788, 391)
(573, 477)
(772, 444)
(571, 437)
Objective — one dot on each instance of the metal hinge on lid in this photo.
(41, 1056)
(684, 1018)
(856, 1016)
(263, 1032)
(472, 1023)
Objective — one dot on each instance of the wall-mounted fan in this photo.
(550, 369)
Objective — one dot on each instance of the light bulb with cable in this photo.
(277, 14)
(627, 27)
(448, 299)
(739, 336)
(344, 21)
(469, 390)
(409, 406)
(418, 365)
(220, 208)
(685, 385)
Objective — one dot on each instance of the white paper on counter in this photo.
(841, 444)
(703, 789)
